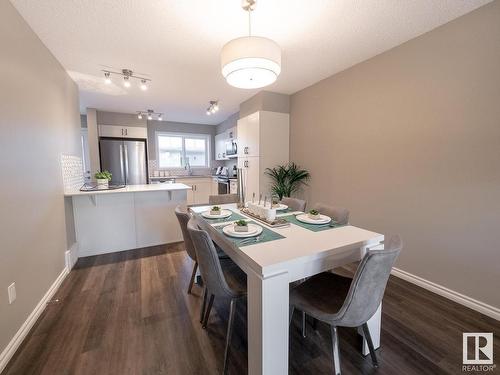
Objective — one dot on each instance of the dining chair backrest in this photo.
(208, 261)
(340, 215)
(368, 285)
(294, 203)
(183, 216)
(223, 199)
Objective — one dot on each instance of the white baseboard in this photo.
(71, 256)
(20, 335)
(483, 308)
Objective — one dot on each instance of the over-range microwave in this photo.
(231, 148)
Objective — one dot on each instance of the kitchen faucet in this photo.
(187, 167)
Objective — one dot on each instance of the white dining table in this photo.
(271, 266)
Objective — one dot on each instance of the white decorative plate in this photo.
(253, 230)
(223, 214)
(281, 207)
(306, 219)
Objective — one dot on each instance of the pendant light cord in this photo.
(249, 22)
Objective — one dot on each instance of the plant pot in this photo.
(102, 183)
(314, 217)
(241, 228)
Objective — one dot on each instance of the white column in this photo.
(268, 323)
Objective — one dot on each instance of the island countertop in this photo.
(131, 189)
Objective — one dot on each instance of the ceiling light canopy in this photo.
(250, 62)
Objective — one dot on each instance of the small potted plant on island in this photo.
(103, 179)
(314, 214)
(215, 210)
(240, 226)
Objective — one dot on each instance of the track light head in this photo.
(126, 81)
(107, 78)
(139, 116)
(144, 85)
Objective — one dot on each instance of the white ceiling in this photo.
(177, 43)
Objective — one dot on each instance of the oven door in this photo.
(223, 187)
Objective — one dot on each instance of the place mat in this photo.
(234, 216)
(313, 227)
(265, 236)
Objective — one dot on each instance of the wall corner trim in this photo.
(71, 256)
(23, 331)
(483, 308)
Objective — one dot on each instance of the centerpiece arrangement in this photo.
(314, 214)
(215, 210)
(102, 179)
(240, 226)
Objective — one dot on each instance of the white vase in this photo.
(102, 183)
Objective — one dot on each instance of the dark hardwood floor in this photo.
(129, 313)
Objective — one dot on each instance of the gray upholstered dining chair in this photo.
(222, 279)
(343, 302)
(223, 199)
(294, 203)
(183, 217)
(338, 214)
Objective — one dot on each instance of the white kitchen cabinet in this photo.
(220, 146)
(201, 189)
(232, 133)
(122, 131)
(233, 186)
(263, 142)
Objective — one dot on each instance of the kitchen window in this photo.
(174, 150)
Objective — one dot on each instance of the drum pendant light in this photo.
(250, 62)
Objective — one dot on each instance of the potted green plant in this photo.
(103, 179)
(215, 210)
(314, 214)
(287, 179)
(240, 226)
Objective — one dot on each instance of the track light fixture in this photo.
(150, 115)
(128, 75)
(213, 107)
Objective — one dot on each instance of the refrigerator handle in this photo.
(126, 163)
(121, 163)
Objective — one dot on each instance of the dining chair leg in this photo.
(193, 275)
(335, 351)
(202, 311)
(292, 309)
(303, 324)
(209, 308)
(369, 341)
(229, 333)
(315, 324)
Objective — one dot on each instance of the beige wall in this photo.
(265, 101)
(39, 120)
(409, 141)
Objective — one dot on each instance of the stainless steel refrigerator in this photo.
(125, 159)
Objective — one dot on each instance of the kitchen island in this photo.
(128, 218)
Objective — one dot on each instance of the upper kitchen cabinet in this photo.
(263, 142)
(220, 146)
(123, 131)
(264, 132)
(232, 133)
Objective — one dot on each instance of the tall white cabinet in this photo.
(263, 142)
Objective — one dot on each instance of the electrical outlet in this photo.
(12, 292)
